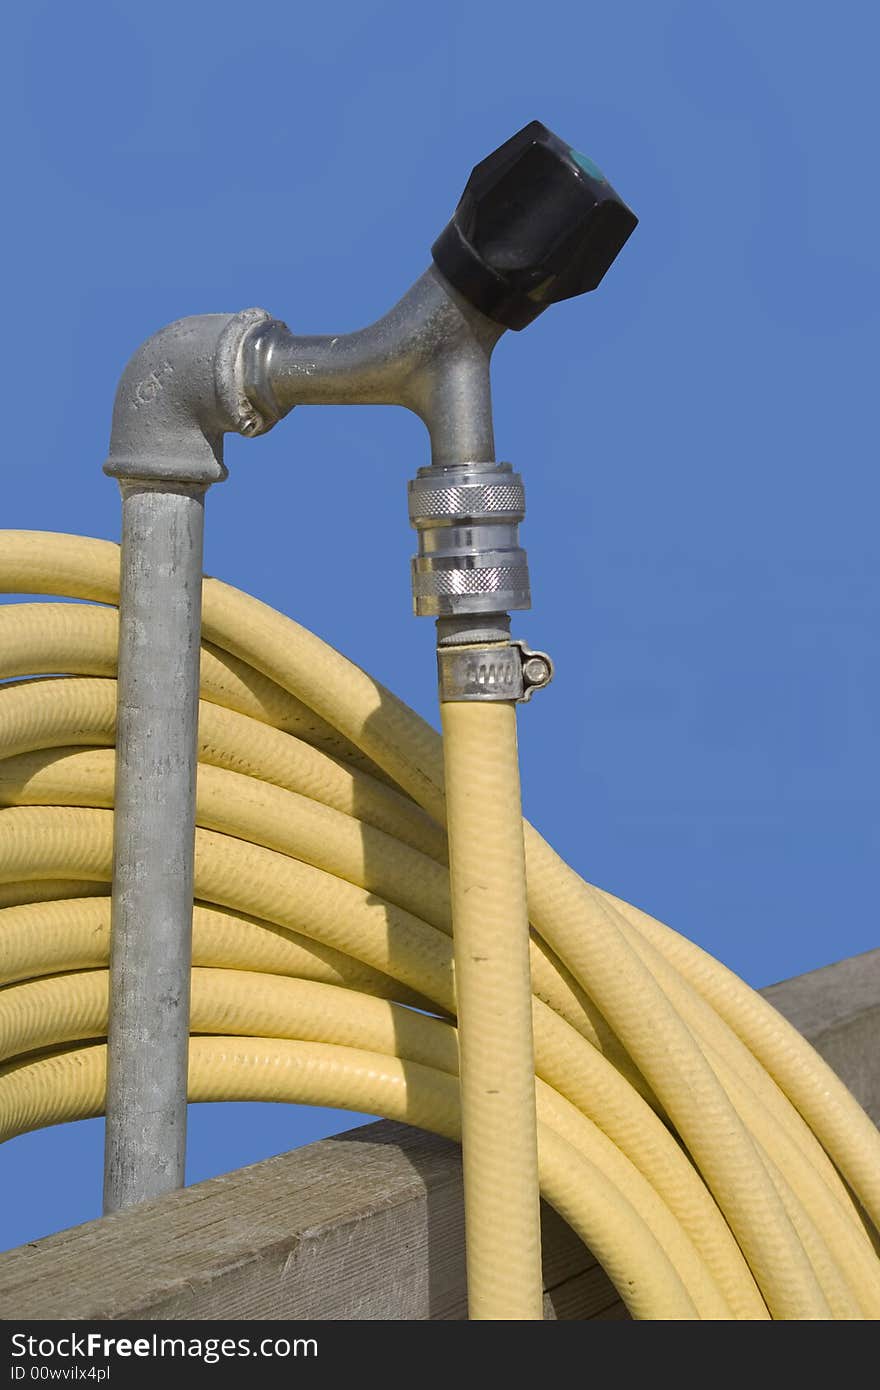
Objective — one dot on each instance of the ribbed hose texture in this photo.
(687, 1132)
(487, 876)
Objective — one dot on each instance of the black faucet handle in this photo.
(537, 222)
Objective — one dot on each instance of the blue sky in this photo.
(697, 437)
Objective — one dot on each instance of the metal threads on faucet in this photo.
(470, 561)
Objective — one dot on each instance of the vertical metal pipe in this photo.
(154, 839)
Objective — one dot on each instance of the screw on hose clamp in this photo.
(498, 671)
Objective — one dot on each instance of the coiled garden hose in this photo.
(714, 1164)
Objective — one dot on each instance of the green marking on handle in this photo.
(588, 166)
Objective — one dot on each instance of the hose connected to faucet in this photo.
(536, 223)
(715, 1166)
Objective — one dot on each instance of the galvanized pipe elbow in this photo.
(179, 394)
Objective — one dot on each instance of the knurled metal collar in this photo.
(433, 501)
(470, 560)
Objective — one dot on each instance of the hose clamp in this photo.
(470, 561)
(499, 671)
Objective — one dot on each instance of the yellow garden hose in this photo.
(715, 1165)
(493, 995)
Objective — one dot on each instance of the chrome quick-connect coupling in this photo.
(470, 572)
(470, 561)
